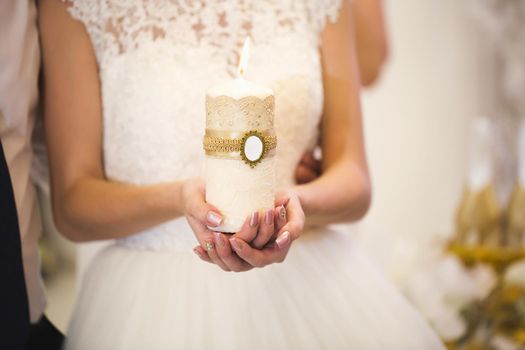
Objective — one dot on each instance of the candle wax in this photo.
(239, 88)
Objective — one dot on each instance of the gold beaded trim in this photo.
(218, 144)
(231, 144)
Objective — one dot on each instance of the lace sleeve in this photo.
(85, 11)
(90, 13)
(323, 11)
(332, 7)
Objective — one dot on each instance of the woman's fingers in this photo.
(194, 196)
(230, 258)
(205, 213)
(223, 248)
(227, 256)
(281, 198)
(214, 246)
(202, 233)
(212, 253)
(280, 217)
(201, 253)
(249, 229)
(206, 240)
(279, 214)
(273, 253)
(266, 229)
(295, 220)
(200, 216)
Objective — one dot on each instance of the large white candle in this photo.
(240, 146)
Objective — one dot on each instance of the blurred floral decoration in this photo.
(491, 234)
(501, 26)
(486, 255)
(471, 287)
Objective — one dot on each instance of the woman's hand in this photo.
(287, 229)
(287, 225)
(214, 246)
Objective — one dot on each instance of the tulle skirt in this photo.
(326, 295)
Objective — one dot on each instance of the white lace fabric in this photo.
(117, 26)
(156, 60)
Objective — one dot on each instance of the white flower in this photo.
(442, 288)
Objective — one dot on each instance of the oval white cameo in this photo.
(253, 148)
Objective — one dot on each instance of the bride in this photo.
(124, 97)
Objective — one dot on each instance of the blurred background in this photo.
(442, 128)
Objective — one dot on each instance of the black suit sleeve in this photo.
(14, 312)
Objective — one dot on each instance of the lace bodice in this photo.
(156, 60)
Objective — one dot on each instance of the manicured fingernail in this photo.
(213, 218)
(235, 244)
(254, 219)
(218, 239)
(269, 217)
(283, 239)
(282, 212)
(208, 246)
(196, 251)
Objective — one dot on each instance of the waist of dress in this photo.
(175, 235)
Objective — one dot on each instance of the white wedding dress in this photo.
(149, 291)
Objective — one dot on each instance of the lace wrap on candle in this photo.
(247, 113)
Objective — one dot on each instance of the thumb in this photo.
(206, 213)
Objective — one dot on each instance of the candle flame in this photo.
(243, 60)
